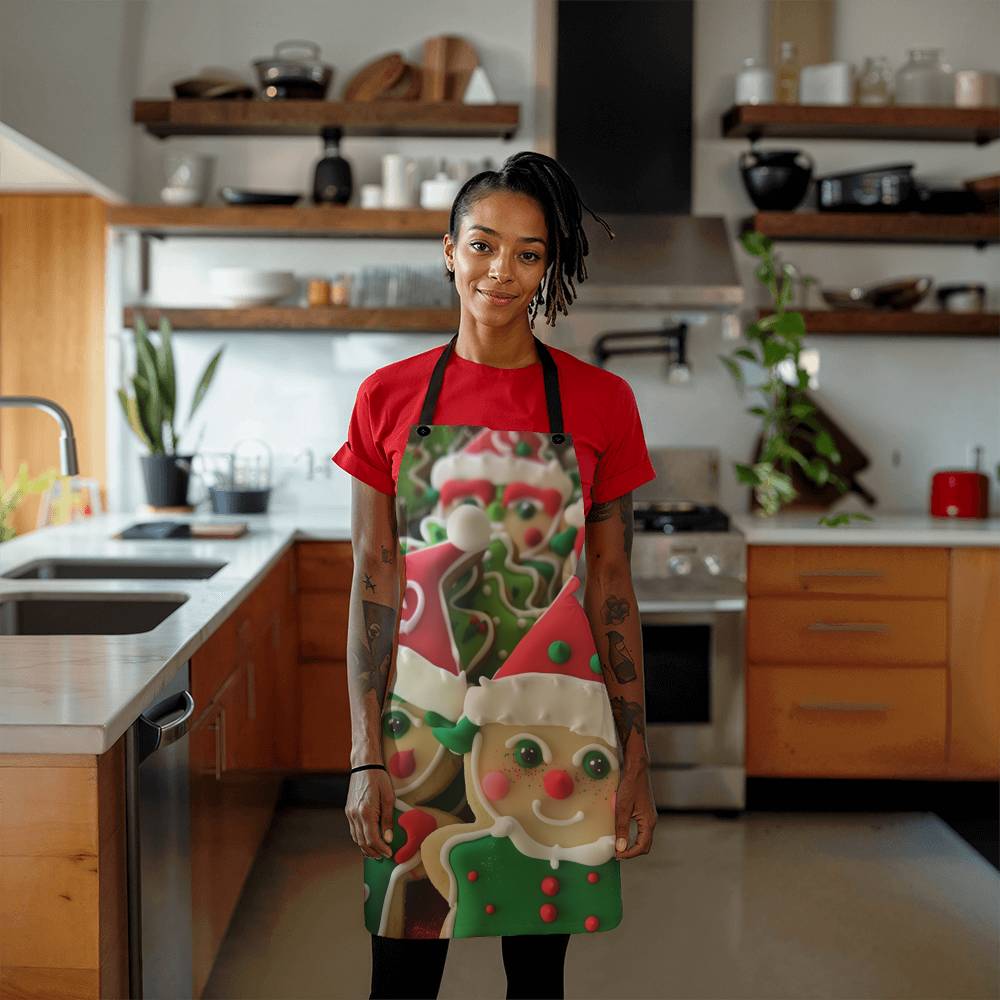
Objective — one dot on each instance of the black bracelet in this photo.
(365, 767)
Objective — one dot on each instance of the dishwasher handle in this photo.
(152, 734)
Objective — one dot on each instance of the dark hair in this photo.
(542, 178)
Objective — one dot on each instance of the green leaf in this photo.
(825, 446)
(818, 471)
(756, 244)
(790, 324)
(803, 378)
(759, 411)
(131, 410)
(733, 367)
(166, 371)
(745, 474)
(774, 351)
(802, 410)
(205, 381)
(745, 352)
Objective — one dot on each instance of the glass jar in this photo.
(875, 82)
(924, 79)
(754, 83)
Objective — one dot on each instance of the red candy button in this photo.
(591, 923)
(472, 876)
(593, 877)
(550, 885)
(490, 908)
(548, 912)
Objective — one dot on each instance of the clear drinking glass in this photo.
(875, 82)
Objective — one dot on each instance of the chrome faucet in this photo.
(67, 442)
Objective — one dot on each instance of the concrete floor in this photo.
(766, 905)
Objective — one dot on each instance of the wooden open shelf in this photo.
(879, 322)
(820, 121)
(258, 117)
(396, 320)
(272, 220)
(870, 227)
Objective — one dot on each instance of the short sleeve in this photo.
(362, 454)
(625, 463)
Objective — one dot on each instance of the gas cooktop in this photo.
(669, 518)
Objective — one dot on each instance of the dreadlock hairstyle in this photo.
(542, 178)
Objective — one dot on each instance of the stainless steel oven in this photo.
(689, 573)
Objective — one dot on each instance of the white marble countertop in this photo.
(886, 529)
(78, 694)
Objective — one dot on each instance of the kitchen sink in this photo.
(113, 569)
(81, 614)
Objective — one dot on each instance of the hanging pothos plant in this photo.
(787, 416)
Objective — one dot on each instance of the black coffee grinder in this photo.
(332, 181)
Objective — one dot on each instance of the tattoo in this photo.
(620, 658)
(386, 555)
(379, 633)
(615, 610)
(628, 718)
(369, 584)
(604, 511)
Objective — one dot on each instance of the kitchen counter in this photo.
(886, 529)
(78, 694)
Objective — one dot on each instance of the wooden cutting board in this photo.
(448, 64)
(376, 77)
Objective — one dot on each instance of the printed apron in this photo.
(497, 728)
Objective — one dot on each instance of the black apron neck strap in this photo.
(550, 375)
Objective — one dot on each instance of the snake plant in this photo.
(151, 407)
(785, 412)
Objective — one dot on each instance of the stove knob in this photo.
(679, 565)
(713, 565)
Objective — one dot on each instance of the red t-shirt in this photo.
(599, 411)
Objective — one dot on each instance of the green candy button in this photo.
(559, 651)
(595, 663)
(522, 448)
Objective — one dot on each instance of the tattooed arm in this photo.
(372, 628)
(610, 603)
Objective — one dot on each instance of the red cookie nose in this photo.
(558, 784)
(532, 536)
(401, 764)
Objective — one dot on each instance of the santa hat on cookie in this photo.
(553, 677)
(427, 662)
(504, 457)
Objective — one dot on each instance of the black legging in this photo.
(411, 969)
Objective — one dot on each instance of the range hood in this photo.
(660, 261)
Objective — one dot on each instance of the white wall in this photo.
(913, 405)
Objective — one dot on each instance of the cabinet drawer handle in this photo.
(251, 691)
(219, 726)
(848, 627)
(843, 706)
(867, 573)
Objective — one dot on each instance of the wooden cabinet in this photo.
(238, 751)
(872, 661)
(324, 572)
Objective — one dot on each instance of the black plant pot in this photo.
(166, 478)
(776, 179)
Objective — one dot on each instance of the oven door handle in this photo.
(678, 604)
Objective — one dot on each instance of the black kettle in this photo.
(332, 180)
(776, 179)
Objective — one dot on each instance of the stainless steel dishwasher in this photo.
(158, 845)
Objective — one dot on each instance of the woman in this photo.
(498, 752)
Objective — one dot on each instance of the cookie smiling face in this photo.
(418, 764)
(559, 785)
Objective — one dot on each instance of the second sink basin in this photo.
(113, 569)
(79, 614)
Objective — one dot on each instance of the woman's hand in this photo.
(370, 798)
(634, 800)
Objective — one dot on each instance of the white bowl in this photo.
(180, 196)
(251, 286)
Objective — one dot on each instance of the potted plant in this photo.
(150, 411)
(20, 487)
(789, 420)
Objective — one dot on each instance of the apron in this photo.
(497, 728)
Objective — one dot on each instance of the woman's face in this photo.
(502, 248)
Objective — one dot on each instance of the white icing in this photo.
(468, 528)
(487, 589)
(407, 625)
(428, 685)
(536, 808)
(397, 873)
(500, 469)
(580, 705)
(574, 514)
